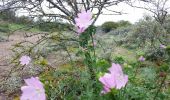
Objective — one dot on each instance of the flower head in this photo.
(108, 82)
(162, 46)
(120, 78)
(141, 59)
(83, 21)
(34, 90)
(115, 79)
(24, 60)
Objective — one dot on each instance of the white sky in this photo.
(133, 14)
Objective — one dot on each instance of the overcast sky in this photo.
(133, 14)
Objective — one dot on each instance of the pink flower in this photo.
(80, 30)
(105, 90)
(120, 78)
(141, 59)
(162, 46)
(83, 21)
(34, 90)
(115, 79)
(108, 82)
(25, 60)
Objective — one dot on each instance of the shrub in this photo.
(23, 20)
(52, 26)
(167, 24)
(69, 84)
(7, 15)
(146, 32)
(108, 26)
(123, 23)
(156, 55)
(4, 28)
(119, 59)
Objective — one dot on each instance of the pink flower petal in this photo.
(121, 81)
(25, 60)
(34, 90)
(105, 90)
(141, 59)
(34, 82)
(116, 68)
(83, 21)
(108, 80)
(163, 46)
(115, 79)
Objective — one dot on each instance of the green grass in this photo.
(13, 26)
(7, 28)
(128, 55)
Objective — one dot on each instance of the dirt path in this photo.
(6, 53)
(54, 59)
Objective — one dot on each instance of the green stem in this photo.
(93, 46)
(89, 63)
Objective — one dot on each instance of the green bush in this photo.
(7, 15)
(156, 54)
(145, 33)
(108, 26)
(167, 24)
(70, 85)
(119, 59)
(4, 28)
(123, 23)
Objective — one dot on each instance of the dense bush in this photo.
(4, 28)
(121, 31)
(7, 15)
(123, 23)
(167, 24)
(108, 26)
(156, 55)
(146, 32)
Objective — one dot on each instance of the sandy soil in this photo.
(6, 53)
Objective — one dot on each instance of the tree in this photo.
(159, 8)
(65, 9)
